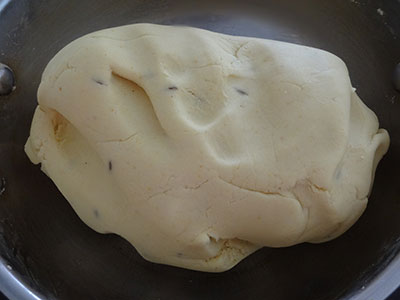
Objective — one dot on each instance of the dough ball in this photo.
(199, 148)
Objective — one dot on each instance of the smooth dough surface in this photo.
(199, 148)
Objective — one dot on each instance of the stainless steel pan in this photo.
(46, 251)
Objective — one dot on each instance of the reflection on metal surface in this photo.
(3, 183)
(7, 80)
(3, 4)
(12, 287)
(384, 285)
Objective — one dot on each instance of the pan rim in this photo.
(381, 287)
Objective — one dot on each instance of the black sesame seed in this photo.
(241, 92)
(172, 88)
(110, 165)
(98, 81)
(96, 213)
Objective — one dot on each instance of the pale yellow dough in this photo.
(199, 148)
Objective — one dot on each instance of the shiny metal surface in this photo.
(47, 252)
(7, 81)
(12, 286)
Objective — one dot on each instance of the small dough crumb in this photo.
(200, 148)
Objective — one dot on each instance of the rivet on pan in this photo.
(396, 77)
(7, 80)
